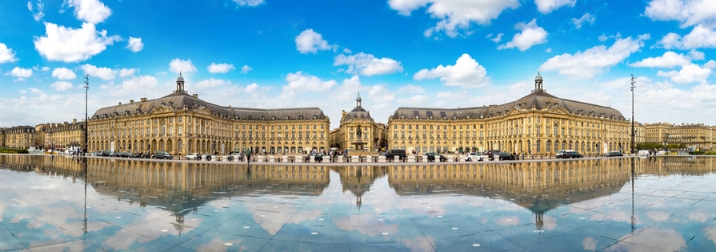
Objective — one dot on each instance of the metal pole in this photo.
(86, 118)
(632, 114)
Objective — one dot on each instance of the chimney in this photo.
(120, 103)
(74, 121)
(144, 99)
(131, 101)
(195, 95)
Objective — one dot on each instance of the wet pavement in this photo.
(51, 203)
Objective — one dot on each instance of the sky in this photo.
(323, 53)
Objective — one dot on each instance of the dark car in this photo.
(491, 154)
(562, 154)
(106, 154)
(506, 156)
(572, 154)
(124, 154)
(204, 156)
(614, 154)
(396, 152)
(162, 155)
(318, 157)
(432, 156)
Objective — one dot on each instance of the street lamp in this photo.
(86, 118)
(631, 146)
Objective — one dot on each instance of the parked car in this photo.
(396, 152)
(572, 154)
(124, 154)
(491, 154)
(162, 155)
(432, 156)
(506, 156)
(192, 156)
(106, 153)
(318, 157)
(614, 154)
(563, 154)
(472, 156)
(204, 156)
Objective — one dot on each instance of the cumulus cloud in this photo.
(249, 3)
(688, 74)
(585, 18)
(63, 74)
(668, 60)
(129, 87)
(61, 85)
(594, 60)
(72, 45)
(687, 12)
(220, 68)
(90, 11)
(184, 66)
(530, 35)
(497, 38)
(251, 87)
(300, 83)
(309, 41)
(124, 72)
(104, 73)
(547, 6)
(37, 9)
(211, 83)
(455, 15)
(699, 37)
(20, 73)
(367, 64)
(135, 44)
(411, 89)
(6, 54)
(246, 69)
(466, 73)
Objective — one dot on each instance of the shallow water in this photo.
(61, 203)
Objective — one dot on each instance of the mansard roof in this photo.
(180, 100)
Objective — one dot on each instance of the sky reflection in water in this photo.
(573, 205)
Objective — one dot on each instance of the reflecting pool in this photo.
(51, 203)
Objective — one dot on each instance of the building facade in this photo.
(358, 131)
(180, 123)
(692, 136)
(536, 124)
(61, 135)
(20, 137)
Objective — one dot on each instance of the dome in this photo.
(359, 99)
(538, 77)
(180, 78)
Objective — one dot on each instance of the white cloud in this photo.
(415, 100)
(104, 73)
(466, 73)
(252, 87)
(37, 11)
(603, 37)
(249, 3)
(311, 42)
(699, 37)
(45, 69)
(530, 35)
(547, 6)
(300, 83)
(668, 60)
(687, 12)
(585, 18)
(124, 72)
(211, 83)
(63, 74)
(367, 64)
(220, 68)
(90, 11)
(594, 60)
(21, 73)
(61, 85)
(455, 15)
(246, 69)
(130, 86)
(710, 65)
(184, 66)
(495, 39)
(135, 44)
(411, 89)
(688, 74)
(72, 45)
(6, 54)
(696, 55)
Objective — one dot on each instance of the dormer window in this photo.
(287, 117)
(273, 118)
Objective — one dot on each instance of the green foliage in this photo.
(13, 151)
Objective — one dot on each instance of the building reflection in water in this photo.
(181, 187)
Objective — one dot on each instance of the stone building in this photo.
(20, 137)
(61, 135)
(2, 137)
(536, 124)
(358, 131)
(180, 123)
(692, 136)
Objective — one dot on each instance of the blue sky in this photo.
(322, 53)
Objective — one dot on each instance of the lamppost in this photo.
(86, 118)
(631, 146)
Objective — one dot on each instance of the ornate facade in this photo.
(180, 123)
(358, 131)
(20, 137)
(536, 124)
(693, 136)
(61, 135)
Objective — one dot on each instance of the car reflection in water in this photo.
(437, 206)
